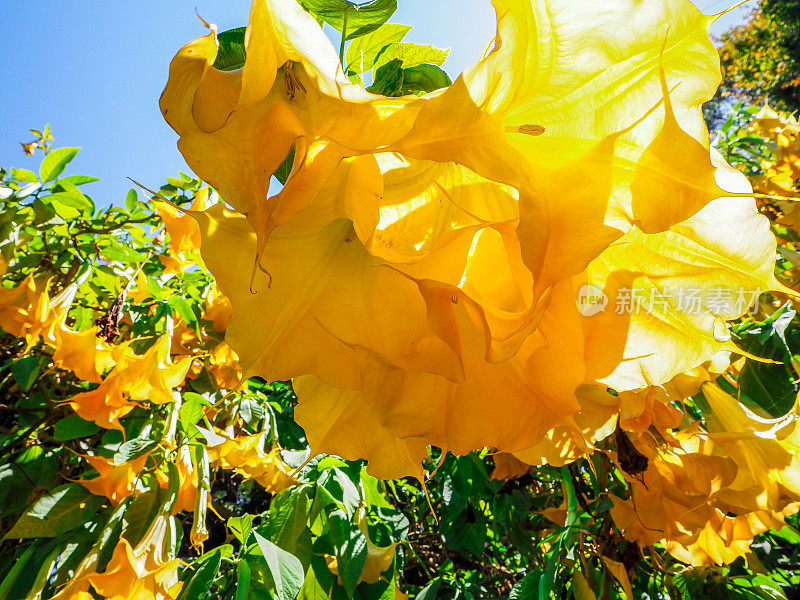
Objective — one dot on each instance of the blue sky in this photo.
(94, 71)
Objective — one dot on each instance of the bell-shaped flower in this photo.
(425, 255)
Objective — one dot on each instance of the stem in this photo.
(112, 228)
(421, 562)
(344, 37)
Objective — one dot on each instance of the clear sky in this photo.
(94, 70)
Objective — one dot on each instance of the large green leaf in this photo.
(526, 588)
(70, 202)
(17, 581)
(430, 591)
(353, 20)
(772, 386)
(133, 449)
(351, 549)
(64, 509)
(362, 52)
(243, 580)
(423, 79)
(231, 52)
(285, 568)
(55, 163)
(388, 79)
(411, 55)
(73, 427)
(288, 513)
(203, 570)
(240, 527)
(25, 371)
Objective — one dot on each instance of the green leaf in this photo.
(133, 449)
(191, 412)
(288, 514)
(388, 79)
(181, 306)
(352, 19)
(313, 589)
(285, 169)
(240, 527)
(55, 163)
(64, 509)
(16, 582)
(231, 52)
(431, 591)
(411, 55)
(771, 386)
(788, 533)
(27, 189)
(526, 588)
(25, 175)
(467, 532)
(423, 79)
(242, 580)
(14, 486)
(131, 199)
(205, 571)
(113, 250)
(39, 465)
(286, 569)
(71, 203)
(73, 427)
(140, 513)
(351, 549)
(78, 179)
(25, 371)
(363, 51)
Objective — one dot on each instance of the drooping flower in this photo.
(26, 310)
(224, 366)
(245, 454)
(147, 377)
(425, 254)
(218, 307)
(781, 176)
(126, 578)
(82, 352)
(114, 481)
(187, 481)
(184, 237)
(706, 492)
(183, 233)
(507, 466)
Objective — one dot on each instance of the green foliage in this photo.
(351, 19)
(231, 53)
(363, 51)
(740, 147)
(761, 58)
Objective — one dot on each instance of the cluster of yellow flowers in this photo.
(126, 379)
(480, 266)
(781, 176)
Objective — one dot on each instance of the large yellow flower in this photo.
(417, 274)
(114, 481)
(127, 578)
(708, 491)
(245, 454)
(144, 377)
